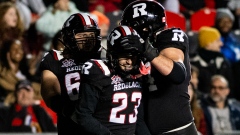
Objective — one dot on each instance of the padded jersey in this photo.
(68, 74)
(115, 103)
(168, 103)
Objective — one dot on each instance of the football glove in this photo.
(150, 52)
(132, 42)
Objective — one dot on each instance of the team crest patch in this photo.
(68, 63)
(116, 79)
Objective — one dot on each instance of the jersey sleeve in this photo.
(96, 73)
(49, 61)
(173, 37)
(85, 110)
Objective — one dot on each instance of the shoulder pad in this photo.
(53, 54)
(96, 72)
(173, 37)
(50, 60)
(95, 67)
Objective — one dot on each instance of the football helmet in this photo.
(145, 16)
(80, 23)
(115, 48)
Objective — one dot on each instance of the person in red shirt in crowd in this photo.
(25, 115)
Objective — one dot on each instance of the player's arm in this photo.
(169, 60)
(169, 63)
(50, 90)
(141, 127)
(86, 108)
(168, 57)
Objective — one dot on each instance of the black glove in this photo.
(132, 42)
(150, 52)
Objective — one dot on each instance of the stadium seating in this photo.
(203, 17)
(176, 20)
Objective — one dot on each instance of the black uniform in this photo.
(167, 105)
(109, 104)
(68, 74)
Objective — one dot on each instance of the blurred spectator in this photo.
(51, 21)
(209, 59)
(24, 11)
(194, 80)
(36, 6)
(81, 5)
(13, 67)
(103, 22)
(231, 44)
(199, 118)
(10, 22)
(222, 113)
(24, 115)
(234, 6)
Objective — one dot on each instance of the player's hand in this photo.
(132, 42)
(150, 52)
(13, 67)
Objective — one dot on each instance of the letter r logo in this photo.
(139, 8)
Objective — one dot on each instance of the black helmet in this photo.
(115, 48)
(145, 14)
(78, 23)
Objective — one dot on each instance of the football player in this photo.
(167, 108)
(61, 69)
(111, 90)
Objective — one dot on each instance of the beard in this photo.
(217, 98)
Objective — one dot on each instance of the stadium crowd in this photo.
(29, 29)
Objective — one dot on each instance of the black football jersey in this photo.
(118, 99)
(168, 103)
(68, 74)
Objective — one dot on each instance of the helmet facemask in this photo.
(114, 57)
(81, 37)
(85, 41)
